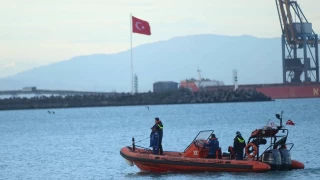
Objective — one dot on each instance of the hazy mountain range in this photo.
(258, 60)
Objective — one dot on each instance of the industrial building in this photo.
(165, 86)
(29, 89)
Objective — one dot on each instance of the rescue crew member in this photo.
(238, 145)
(213, 145)
(159, 127)
(154, 141)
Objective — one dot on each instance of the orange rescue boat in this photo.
(193, 159)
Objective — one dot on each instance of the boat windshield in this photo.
(204, 135)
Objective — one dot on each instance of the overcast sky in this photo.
(40, 32)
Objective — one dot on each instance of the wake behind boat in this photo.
(193, 159)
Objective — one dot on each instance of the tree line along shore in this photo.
(182, 96)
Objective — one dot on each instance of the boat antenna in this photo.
(133, 144)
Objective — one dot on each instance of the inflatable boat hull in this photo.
(175, 162)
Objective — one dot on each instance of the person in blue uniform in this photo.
(213, 145)
(238, 145)
(158, 126)
(154, 141)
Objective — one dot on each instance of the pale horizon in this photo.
(36, 33)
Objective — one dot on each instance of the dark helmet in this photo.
(238, 133)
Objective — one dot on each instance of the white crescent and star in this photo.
(139, 26)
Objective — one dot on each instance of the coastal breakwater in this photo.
(182, 96)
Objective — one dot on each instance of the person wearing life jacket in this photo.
(159, 128)
(154, 141)
(213, 145)
(238, 146)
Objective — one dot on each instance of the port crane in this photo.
(300, 53)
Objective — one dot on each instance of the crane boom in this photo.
(299, 44)
(287, 24)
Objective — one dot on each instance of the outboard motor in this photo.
(273, 158)
(285, 159)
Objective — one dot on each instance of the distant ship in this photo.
(195, 85)
(275, 91)
(281, 91)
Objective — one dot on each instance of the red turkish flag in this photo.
(140, 26)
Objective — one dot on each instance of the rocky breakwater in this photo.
(182, 96)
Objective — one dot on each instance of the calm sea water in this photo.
(84, 143)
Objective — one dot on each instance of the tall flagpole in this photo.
(131, 53)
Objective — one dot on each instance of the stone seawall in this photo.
(182, 96)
